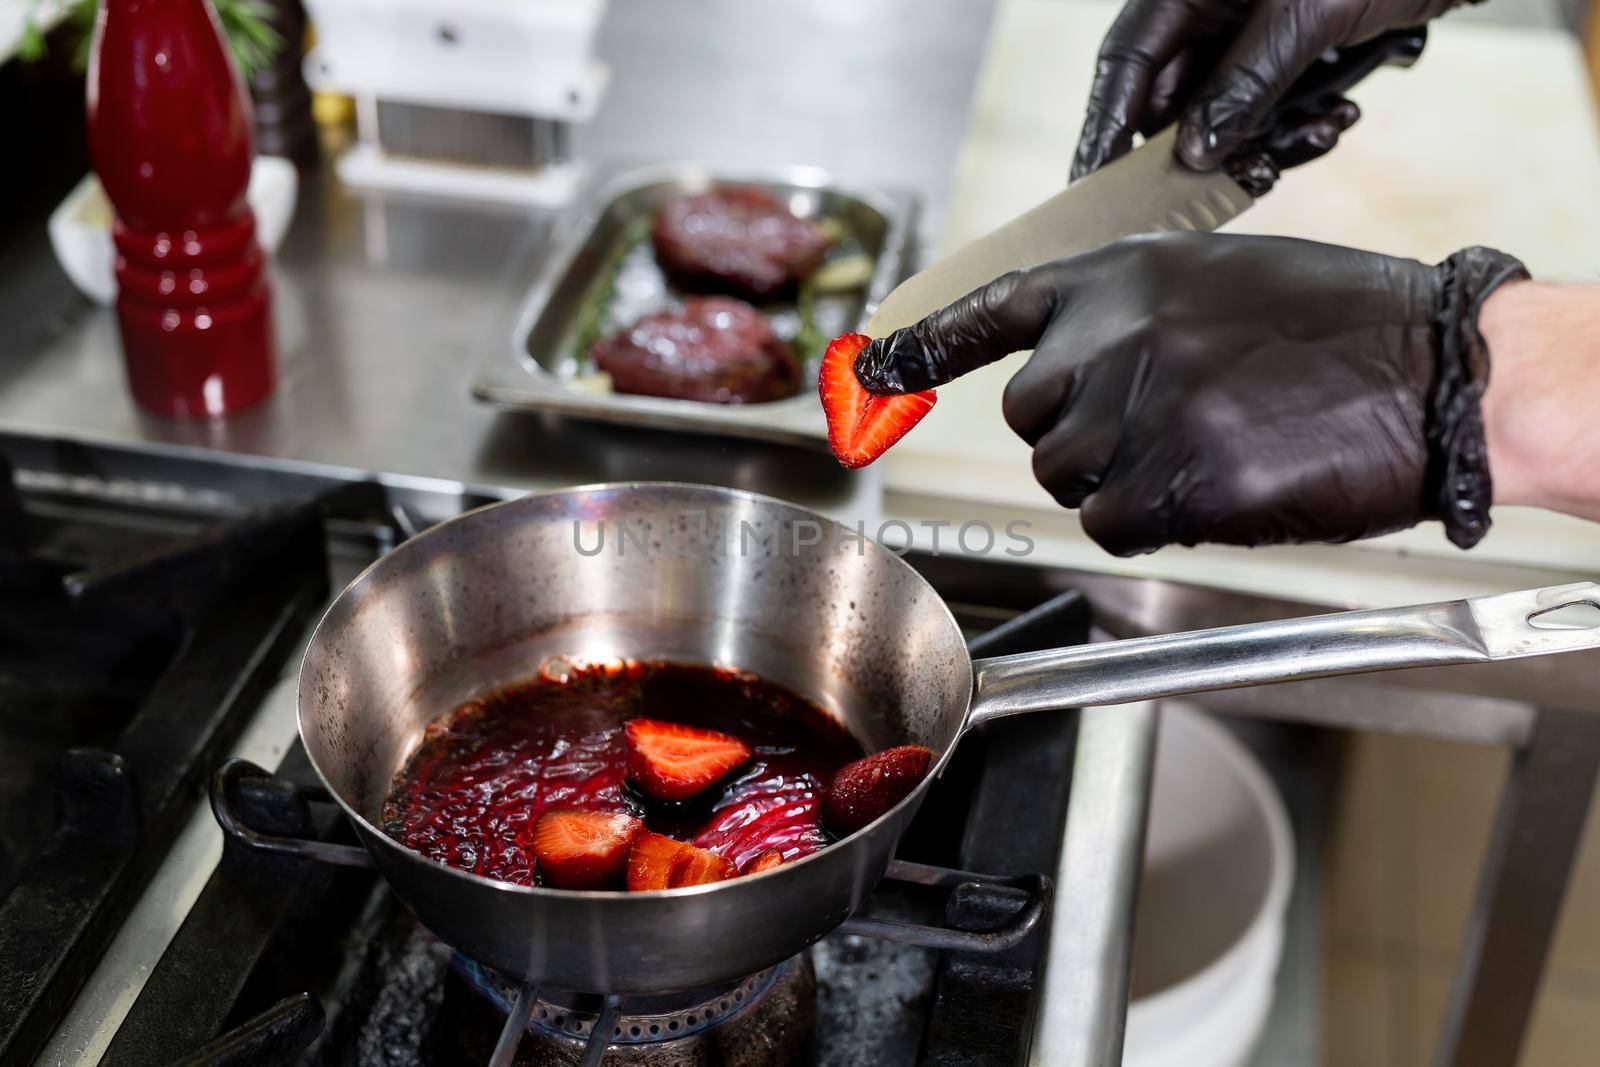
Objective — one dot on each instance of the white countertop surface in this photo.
(1489, 139)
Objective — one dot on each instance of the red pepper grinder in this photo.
(169, 133)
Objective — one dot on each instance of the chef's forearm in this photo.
(1543, 396)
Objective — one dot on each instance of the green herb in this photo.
(808, 339)
(595, 311)
(255, 41)
(31, 46)
(846, 268)
(246, 25)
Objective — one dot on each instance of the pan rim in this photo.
(537, 892)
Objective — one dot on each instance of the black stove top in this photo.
(133, 651)
(130, 658)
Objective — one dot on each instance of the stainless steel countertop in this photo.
(385, 305)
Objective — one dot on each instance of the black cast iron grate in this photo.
(129, 661)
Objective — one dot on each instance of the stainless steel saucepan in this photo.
(717, 576)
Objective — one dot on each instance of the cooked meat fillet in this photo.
(713, 348)
(738, 239)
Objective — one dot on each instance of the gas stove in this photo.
(142, 632)
(131, 656)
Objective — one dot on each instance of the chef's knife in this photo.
(1146, 191)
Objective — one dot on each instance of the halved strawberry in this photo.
(861, 426)
(670, 761)
(657, 862)
(765, 862)
(583, 849)
(864, 790)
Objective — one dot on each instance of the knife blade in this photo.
(1145, 191)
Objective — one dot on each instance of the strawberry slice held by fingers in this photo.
(671, 761)
(861, 426)
(658, 862)
(584, 849)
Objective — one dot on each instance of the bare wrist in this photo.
(1513, 460)
(1544, 351)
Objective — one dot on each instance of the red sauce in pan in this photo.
(488, 770)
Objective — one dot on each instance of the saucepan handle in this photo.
(1477, 630)
(1034, 890)
(223, 787)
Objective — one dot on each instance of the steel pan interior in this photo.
(647, 571)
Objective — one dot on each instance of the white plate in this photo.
(80, 226)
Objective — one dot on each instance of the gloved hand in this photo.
(1247, 390)
(1218, 67)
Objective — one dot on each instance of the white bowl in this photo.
(80, 226)
(1219, 865)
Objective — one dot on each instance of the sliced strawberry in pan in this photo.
(765, 862)
(861, 426)
(657, 862)
(765, 812)
(670, 761)
(583, 849)
(866, 789)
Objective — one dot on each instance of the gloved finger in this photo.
(1168, 92)
(1039, 393)
(1123, 517)
(1277, 44)
(1142, 40)
(1071, 457)
(1258, 164)
(1008, 315)
(1304, 138)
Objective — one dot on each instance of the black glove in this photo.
(1218, 67)
(1246, 390)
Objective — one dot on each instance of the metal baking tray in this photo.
(602, 275)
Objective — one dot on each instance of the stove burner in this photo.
(763, 1020)
(648, 1019)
